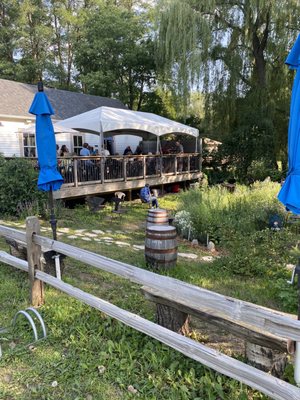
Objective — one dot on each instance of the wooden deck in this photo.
(84, 176)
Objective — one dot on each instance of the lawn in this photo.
(88, 355)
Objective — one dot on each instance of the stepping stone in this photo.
(92, 235)
(72, 237)
(207, 258)
(64, 230)
(108, 243)
(98, 232)
(139, 247)
(121, 243)
(121, 232)
(107, 238)
(97, 240)
(108, 231)
(80, 230)
(87, 239)
(188, 255)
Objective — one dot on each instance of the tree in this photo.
(115, 54)
(34, 40)
(235, 52)
(8, 35)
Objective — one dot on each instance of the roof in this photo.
(117, 121)
(16, 98)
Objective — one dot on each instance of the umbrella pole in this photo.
(53, 223)
(52, 215)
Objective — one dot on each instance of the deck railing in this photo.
(78, 170)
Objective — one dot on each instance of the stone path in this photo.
(97, 235)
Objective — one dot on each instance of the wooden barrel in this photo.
(161, 246)
(157, 216)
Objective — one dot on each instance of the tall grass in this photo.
(221, 214)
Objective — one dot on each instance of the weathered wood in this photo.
(157, 216)
(34, 254)
(173, 319)
(271, 386)
(274, 322)
(161, 246)
(13, 261)
(96, 187)
(248, 333)
(266, 359)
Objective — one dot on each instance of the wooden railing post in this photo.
(125, 169)
(102, 169)
(175, 164)
(34, 254)
(144, 167)
(75, 170)
(200, 154)
(189, 164)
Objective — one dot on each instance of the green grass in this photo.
(81, 339)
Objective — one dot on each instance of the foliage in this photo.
(118, 61)
(18, 188)
(88, 354)
(214, 210)
(260, 170)
(235, 51)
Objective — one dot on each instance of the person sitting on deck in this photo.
(147, 197)
(128, 151)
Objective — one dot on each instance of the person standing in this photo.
(84, 152)
(179, 150)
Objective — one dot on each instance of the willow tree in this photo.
(234, 51)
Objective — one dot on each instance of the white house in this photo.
(15, 101)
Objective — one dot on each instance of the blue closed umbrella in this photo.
(289, 194)
(49, 178)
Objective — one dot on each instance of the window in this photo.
(29, 145)
(77, 144)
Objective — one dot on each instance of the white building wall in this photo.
(122, 141)
(11, 138)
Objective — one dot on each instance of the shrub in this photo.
(220, 214)
(18, 187)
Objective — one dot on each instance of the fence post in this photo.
(34, 262)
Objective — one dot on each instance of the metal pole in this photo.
(53, 221)
(297, 354)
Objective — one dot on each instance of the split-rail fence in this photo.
(275, 323)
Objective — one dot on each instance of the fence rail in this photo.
(260, 317)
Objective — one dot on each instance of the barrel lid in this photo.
(157, 210)
(161, 228)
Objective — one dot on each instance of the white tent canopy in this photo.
(118, 121)
(56, 126)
